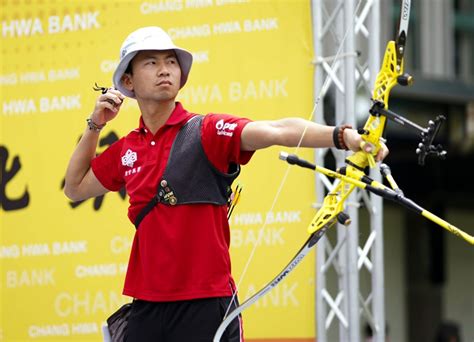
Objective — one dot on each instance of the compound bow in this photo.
(353, 174)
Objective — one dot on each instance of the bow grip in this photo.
(370, 156)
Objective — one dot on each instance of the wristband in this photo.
(338, 137)
(93, 126)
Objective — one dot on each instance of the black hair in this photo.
(129, 69)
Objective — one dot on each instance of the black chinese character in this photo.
(7, 175)
(106, 141)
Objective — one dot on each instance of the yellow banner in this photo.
(62, 263)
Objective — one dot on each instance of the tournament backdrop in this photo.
(62, 263)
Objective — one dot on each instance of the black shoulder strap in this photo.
(156, 199)
(149, 206)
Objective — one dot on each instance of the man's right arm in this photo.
(80, 181)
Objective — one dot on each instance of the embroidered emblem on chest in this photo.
(129, 158)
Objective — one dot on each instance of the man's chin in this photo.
(162, 97)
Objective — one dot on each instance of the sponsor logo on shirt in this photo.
(129, 158)
(225, 128)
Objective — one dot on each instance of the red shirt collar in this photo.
(178, 115)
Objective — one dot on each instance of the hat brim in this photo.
(119, 71)
(185, 60)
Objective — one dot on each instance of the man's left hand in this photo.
(354, 141)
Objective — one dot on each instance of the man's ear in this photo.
(127, 82)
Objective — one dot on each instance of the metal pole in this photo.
(342, 231)
(376, 218)
(321, 312)
(353, 207)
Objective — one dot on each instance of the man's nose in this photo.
(163, 70)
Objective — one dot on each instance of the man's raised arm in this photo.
(80, 181)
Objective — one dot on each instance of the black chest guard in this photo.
(189, 177)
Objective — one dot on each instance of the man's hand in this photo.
(107, 106)
(354, 140)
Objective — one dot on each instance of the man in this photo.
(179, 270)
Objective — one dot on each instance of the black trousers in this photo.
(182, 321)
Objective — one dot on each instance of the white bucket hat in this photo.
(149, 38)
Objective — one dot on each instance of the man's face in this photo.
(156, 75)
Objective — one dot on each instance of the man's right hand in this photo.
(107, 106)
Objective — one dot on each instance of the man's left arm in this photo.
(288, 132)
